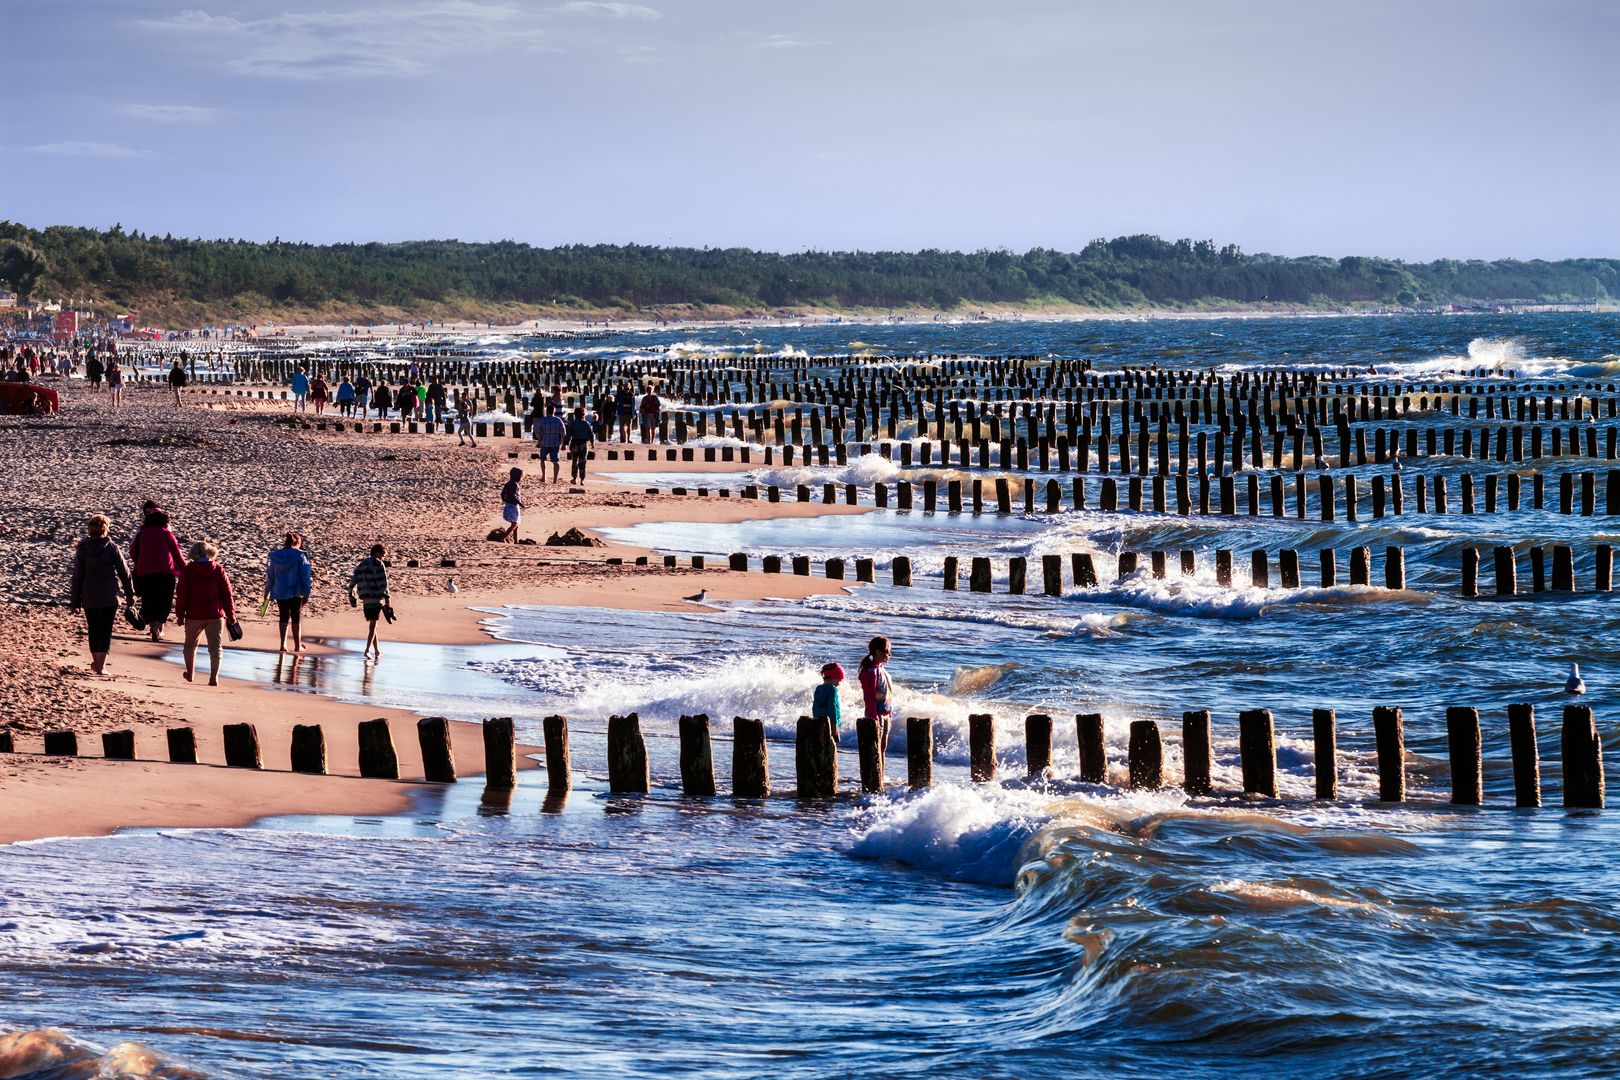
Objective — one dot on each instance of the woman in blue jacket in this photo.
(287, 580)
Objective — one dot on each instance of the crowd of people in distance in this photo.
(160, 580)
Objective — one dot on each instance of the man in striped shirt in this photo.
(548, 436)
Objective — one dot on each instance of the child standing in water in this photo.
(876, 688)
(826, 706)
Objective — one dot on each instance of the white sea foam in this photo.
(866, 470)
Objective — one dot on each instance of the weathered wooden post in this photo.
(1394, 568)
(628, 770)
(1507, 572)
(1361, 566)
(869, 740)
(1390, 736)
(739, 561)
(1052, 575)
(697, 757)
(438, 757)
(1288, 567)
(118, 745)
(1259, 570)
(378, 761)
(1470, 571)
(1526, 754)
(182, 746)
(750, 762)
(979, 574)
(1085, 572)
(1146, 755)
(500, 753)
(1197, 752)
(901, 568)
(242, 746)
(1038, 743)
(1093, 750)
(982, 747)
(919, 751)
(1223, 568)
(1563, 567)
(1583, 759)
(1257, 751)
(308, 751)
(1324, 733)
(1462, 738)
(1017, 570)
(1329, 569)
(815, 757)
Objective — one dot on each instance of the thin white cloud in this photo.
(88, 149)
(411, 39)
(613, 9)
(784, 41)
(166, 114)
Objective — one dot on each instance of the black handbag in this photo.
(234, 629)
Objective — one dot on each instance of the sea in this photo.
(1018, 928)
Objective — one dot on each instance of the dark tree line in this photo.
(142, 270)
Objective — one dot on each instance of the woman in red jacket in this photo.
(203, 605)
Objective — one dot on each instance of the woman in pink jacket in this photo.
(158, 562)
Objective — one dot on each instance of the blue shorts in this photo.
(549, 453)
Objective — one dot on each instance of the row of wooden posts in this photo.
(816, 753)
(1577, 495)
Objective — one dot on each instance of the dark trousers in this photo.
(99, 622)
(577, 453)
(157, 597)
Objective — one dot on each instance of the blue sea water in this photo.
(1020, 928)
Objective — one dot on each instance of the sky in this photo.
(1415, 129)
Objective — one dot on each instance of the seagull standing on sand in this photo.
(698, 599)
(451, 586)
(1574, 684)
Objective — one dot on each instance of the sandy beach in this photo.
(240, 473)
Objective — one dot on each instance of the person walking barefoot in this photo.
(99, 570)
(512, 504)
(287, 579)
(368, 585)
(158, 565)
(203, 604)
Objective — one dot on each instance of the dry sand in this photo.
(240, 473)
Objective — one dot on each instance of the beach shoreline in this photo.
(42, 797)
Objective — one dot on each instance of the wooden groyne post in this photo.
(816, 759)
(750, 761)
(1325, 738)
(308, 751)
(242, 746)
(982, 747)
(697, 756)
(500, 753)
(1583, 759)
(438, 756)
(869, 742)
(1526, 754)
(1038, 744)
(1257, 750)
(378, 761)
(1390, 737)
(1093, 751)
(1462, 737)
(1197, 752)
(1146, 755)
(628, 771)
(919, 751)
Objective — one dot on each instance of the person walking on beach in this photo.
(512, 504)
(624, 404)
(405, 401)
(99, 573)
(300, 390)
(548, 438)
(368, 585)
(203, 604)
(287, 579)
(581, 436)
(319, 394)
(115, 382)
(876, 689)
(158, 563)
(93, 369)
(362, 394)
(345, 397)
(825, 705)
(177, 380)
(464, 421)
(651, 408)
(382, 399)
(436, 395)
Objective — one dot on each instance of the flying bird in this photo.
(699, 598)
(1574, 684)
